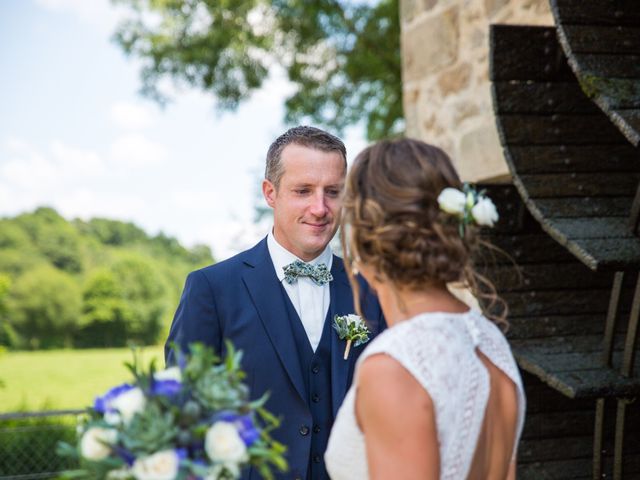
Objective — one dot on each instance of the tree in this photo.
(343, 57)
(54, 237)
(43, 306)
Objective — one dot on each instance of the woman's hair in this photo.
(395, 225)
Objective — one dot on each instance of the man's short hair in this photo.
(305, 136)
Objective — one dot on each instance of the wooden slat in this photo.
(521, 328)
(516, 97)
(566, 344)
(526, 249)
(607, 65)
(596, 227)
(593, 384)
(574, 361)
(577, 423)
(560, 129)
(580, 184)
(619, 93)
(547, 276)
(596, 12)
(560, 302)
(609, 253)
(575, 158)
(541, 449)
(603, 39)
(527, 53)
(584, 207)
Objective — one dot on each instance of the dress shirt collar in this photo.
(281, 257)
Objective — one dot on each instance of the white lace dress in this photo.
(438, 349)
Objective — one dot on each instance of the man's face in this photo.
(306, 205)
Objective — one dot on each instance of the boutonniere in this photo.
(353, 329)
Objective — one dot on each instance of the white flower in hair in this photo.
(452, 200)
(484, 212)
(469, 206)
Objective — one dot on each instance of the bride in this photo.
(437, 395)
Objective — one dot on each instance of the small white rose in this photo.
(484, 212)
(94, 444)
(172, 373)
(223, 444)
(353, 319)
(129, 403)
(162, 465)
(452, 201)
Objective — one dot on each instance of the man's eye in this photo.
(302, 191)
(333, 193)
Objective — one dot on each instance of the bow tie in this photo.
(318, 273)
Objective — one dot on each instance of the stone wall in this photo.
(446, 88)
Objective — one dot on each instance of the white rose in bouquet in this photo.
(171, 373)
(162, 465)
(96, 441)
(223, 444)
(129, 403)
(484, 212)
(452, 200)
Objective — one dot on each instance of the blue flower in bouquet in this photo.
(189, 422)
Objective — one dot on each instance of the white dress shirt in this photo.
(311, 301)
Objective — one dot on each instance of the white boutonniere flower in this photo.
(352, 329)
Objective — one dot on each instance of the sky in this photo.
(76, 135)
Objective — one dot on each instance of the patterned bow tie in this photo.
(319, 273)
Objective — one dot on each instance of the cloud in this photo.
(86, 203)
(132, 116)
(96, 13)
(136, 150)
(30, 169)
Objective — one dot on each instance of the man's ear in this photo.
(269, 192)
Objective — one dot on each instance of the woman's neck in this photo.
(402, 304)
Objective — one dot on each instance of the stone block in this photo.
(454, 79)
(409, 9)
(480, 154)
(430, 45)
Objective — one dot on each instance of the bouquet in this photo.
(193, 421)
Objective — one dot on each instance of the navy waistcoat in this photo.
(316, 372)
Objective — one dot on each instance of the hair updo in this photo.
(395, 224)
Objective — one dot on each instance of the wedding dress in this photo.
(438, 349)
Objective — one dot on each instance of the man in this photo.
(262, 301)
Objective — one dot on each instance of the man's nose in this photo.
(319, 205)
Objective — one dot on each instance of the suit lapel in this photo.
(266, 293)
(341, 304)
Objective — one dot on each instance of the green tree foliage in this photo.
(44, 307)
(342, 57)
(54, 237)
(90, 283)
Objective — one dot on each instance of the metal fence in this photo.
(28, 443)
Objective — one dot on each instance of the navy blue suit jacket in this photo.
(241, 299)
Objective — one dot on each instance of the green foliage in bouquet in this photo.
(194, 421)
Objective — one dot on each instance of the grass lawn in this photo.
(61, 379)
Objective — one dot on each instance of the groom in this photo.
(283, 321)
